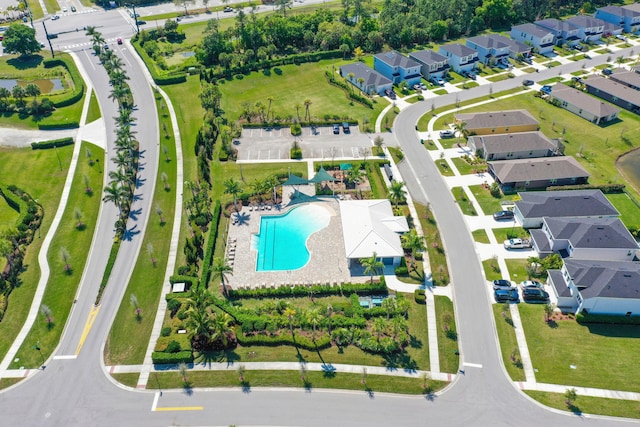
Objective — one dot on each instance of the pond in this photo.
(45, 85)
(629, 166)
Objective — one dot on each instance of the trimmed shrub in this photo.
(43, 145)
(607, 319)
(211, 245)
(162, 358)
(78, 82)
(58, 125)
(159, 78)
(173, 347)
(605, 188)
(401, 271)
(419, 296)
(303, 342)
(346, 289)
(189, 280)
(166, 331)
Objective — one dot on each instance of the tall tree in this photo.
(231, 186)
(371, 265)
(221, 270)
(19, 38)
(307, 104)
(414, 242)
(397, 193)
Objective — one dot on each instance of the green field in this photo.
(487, 202)
(44, 182)
(463, 201)
(447, 335)
(508, 342)
(437, 256)
(480, 236)
(604, 355)
(94, 109)
(629, 211)
(588, 404)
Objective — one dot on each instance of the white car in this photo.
(64, 8)
(55, 17)
(517, 244)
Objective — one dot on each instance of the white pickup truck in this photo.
(517, 244)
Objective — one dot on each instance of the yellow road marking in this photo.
(87, 327)
(181, 408)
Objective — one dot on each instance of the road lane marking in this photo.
(155, 401)
(472, 365)
(180, 408)
(65, 357)
(87, 327)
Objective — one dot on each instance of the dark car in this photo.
(345, 127)
(73, 8)
(546, 89)
(535, 295)
(140, 22)
(579, 47)
(502, 284)
(336, 129)
(505, 295)
(607, 71)
(527, 60)
(503, 215)
(446, 134)
(119, 40)
(528, 82)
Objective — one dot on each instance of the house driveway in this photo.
(264, 144)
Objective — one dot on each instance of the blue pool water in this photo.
(282, 242)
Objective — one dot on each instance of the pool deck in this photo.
(327, 263)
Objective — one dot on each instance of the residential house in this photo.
(584, 105)
(597, 287)
(369, 226)
(432, 64)
(604, 239)
(507, 146)
(516, 49)
(628, 19)
(540, 38)
(614, 92)
(627, 78)
(524, 174)
(498, 122)
(589, 29)
(397, 67)
(364, 78)
(461, 58)
(563, 32)
(490, 51)
(532, 207)
(611, 29)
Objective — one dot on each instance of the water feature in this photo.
(45, 85)
(629, 166)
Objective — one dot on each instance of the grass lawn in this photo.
(503, 234)
(488, 203)
(444, 168)
(604, 355)
(415, 276)
(603, 51)
(508, 342)
(290, 87)
(466, 168)
(389, 118)
(551, 80)
(447, 335)
(499, 77)
(578, 57)
(319, 380)
(36, 9)
(469, 85)
(8, 382)
(94, 109)
(44, 182)
(579, 73)
(480, 236)
(529, 70)
(629, 211)
(128, 336)
(62, 286)
(413, 99)
(455, 78)
(440, 92)
(553, 64)
(518, 270)
(129, 379)
(491, 269)
(588, 404)
(437, 258)
(465, 204)
(8, 215)
(52, 6)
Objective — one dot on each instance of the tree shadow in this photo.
(552, 324)
(187, 388)
(328, 371)
(133, 214)
(369, 392)
(307, 386)
(575, 409)
(414, 342)
(25, 62)
(246, 387)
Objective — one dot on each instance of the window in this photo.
(526, 183)
(553, 181)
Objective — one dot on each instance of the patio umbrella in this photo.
(321, 176)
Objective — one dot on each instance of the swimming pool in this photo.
(282, 242)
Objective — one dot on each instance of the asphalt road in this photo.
(76, 392)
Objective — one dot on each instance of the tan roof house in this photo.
(498, 122)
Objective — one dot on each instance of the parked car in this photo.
(528, 82)
(579, 47)
(336, 129)
(228, 9)
(621, 37)
(531, 284)
(440, 82)
(503, 215)
(105, 46)
(506, 295)
(141, 22)
(576, 79)
(447, 134)
(345, 127)
(517, 244)
(502, 284)
(532, 295)
(423, 86)
(528, 60)
(607, 71)
(546, 89)
(472, 76)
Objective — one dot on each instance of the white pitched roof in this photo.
(369, 226)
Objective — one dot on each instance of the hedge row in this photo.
(78, 82)
(161, 358)
(605, 188)
(192, 281)
(350, 94)
(211, 246)
(419, 296)
(300, 341)
(107, 271)
(158, 78)
(284, 123)
(346, 289)
(43, 145)
(607, 319)
(59, 125)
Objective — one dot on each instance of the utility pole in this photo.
(48, 39)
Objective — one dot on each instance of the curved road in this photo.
(76, 392)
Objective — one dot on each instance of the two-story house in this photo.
(597, 287)
(397, 67)
(540, 38)
(516, 49)
(461, 58)
(490, 50)
(563, 32)
(628, 19)
(432, 64)
(604, 239)
(589, 29)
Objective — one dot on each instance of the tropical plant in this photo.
(314, 317)
(231, 186)
(220, 270)
(371, 265)
(461, 128)
(414, 242)
(397, 193)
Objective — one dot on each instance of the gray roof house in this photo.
(507, 146)
(372, 81)
(498, 122)
(614, 92)
(489, 49)
(540, 38)
(563, 32)
(629, 19)
(584, 105)
(589, 28)
(532, 207)
(605, 239)
(461, 58)
(597, 287)
(513, 175)
(433, 65)
(515, 47)
(627, 78)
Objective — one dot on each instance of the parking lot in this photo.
(265, 144)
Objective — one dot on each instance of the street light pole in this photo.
(37, 347)
(48, 39)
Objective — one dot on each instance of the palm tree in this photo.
(378, 326)
(307, 104)
(32, 90)
(371, 265)
(413, 242)
(355, 176)
(270, 100)
(220, 270)
(221, 328)
(389, 305)
(314, 317)
(231, 186)
(462, 130)
(114, 193)
(198, 299)
(289, 313)
(397, 193)
(91, 30)
(199, 325)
